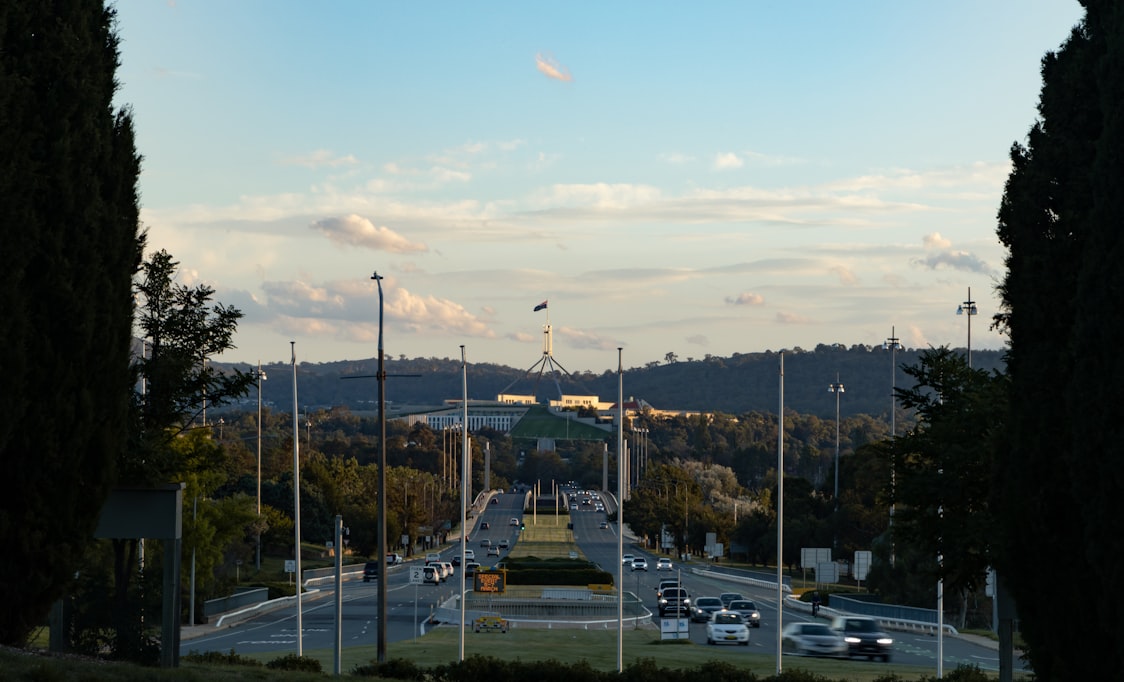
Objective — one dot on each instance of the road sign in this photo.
(417, 575)
(862, 564)
(290, 565)
(675, 628)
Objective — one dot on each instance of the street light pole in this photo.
(968, 308)
(381, 374)
(837, 389)
(260, 375)
(893, 344)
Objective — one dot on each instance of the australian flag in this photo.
(541, 306)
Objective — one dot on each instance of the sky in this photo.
(703, 178)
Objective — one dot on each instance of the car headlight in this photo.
(853, 640)
(663, 601)
(885, 640)
(687, 601)
(755, 615)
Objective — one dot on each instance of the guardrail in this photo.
(741, 579)
(793, 603)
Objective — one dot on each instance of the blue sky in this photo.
(696, 178)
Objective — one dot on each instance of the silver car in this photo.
(812, 639)
(748, 610)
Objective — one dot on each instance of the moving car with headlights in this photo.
(704, 607)
(812, 639)
(674, 600)
(666, 583)
(370, 571)
(640, 564)
(663, 564)
(748, 610)
(626, 560)
(727, 627)
(864, 637)
(728, 597)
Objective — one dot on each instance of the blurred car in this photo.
(674, 600)
(704, 607)
(484, 525)
(393, 559)
(748, 611)
(485, 543)
(728, 597)
(504, 544)
(663, 564)
(493, 551)
(495, 500)
(456, 560)
(603, 525)
(470, 568)
(727, 627)
(513, 521)
(627, 559)
(812, 639)
(640, 564)
(864, 637)
(469, 555)
(370, 571)
(666, 583)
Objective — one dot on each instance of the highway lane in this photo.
(408, 606)
(600, 545)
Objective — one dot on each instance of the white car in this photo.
(627, 559)
(640, 564)
(663, 564)
(812, 639)
(727, 627)
(469, 555)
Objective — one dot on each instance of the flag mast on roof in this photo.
(547, 358)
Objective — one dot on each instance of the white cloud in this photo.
(582, 339)
(549, 67)
(354, 230)
(934, 240)
(746, 298)
(846, 276)
(957, 260)
(321, 158)
(727, 160)
(792, 318)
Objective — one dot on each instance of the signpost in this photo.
(492, 582)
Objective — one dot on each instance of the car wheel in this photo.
(885, 658)
(709, 641)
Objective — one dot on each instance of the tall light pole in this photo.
(381, 375)
(260, 376)
(968, 308)
(297, 504)
(837, 389)
(893, 344)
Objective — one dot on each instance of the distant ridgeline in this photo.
(732, 385)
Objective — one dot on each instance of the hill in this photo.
(737, 384)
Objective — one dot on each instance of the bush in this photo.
(394, 669)
(219, 658)
(294, 662)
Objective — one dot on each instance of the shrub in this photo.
(219, 658)
(294, 662)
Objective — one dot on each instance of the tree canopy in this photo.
(69, 222)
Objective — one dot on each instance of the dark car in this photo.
(674, 600)
(484, 525)
(703, 607)
(864, 637)
(749, 611)
(370, 571)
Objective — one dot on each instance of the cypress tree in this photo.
(69, 216)
(1061, 473)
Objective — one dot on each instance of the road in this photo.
(600, 545)
(409, 605)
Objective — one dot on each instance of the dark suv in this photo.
(370, 571)
(674, 600)
(864, 637)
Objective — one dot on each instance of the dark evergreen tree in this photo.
(69, 217)
(1061, 472)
